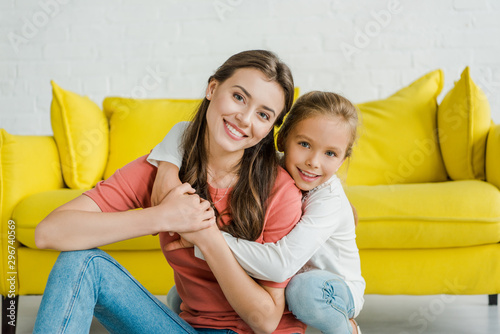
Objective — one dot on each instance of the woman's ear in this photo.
(211, 89)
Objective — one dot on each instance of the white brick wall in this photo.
(101, 48)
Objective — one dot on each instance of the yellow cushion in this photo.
(398, 142)
(138, 125)
(464, 119)
(493, 156)
(81, 133)
(30, 211)
(426, 215)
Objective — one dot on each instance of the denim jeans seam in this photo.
(332, 304)
(147, 293)
(110, 260)
(76, 293)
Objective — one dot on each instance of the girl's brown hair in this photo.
(318, 103)
(258, 167)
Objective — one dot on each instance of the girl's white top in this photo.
(324, 238)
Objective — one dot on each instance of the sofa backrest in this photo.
(136, 126)
(399, 138)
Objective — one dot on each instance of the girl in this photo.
(316, 138)
(228, 144)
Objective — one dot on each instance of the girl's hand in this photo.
(198, 237)
(183, 211)
(177, 244)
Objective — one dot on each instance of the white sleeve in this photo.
(170, 147)
(281, 260)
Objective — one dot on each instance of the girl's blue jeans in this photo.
(322, 300)
(318, 298)
(83, 284)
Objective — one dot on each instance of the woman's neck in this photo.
(222, 169)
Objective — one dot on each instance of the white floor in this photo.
(443, 314)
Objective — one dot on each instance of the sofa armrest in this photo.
(28, 165)
(493, 156)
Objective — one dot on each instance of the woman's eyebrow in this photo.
(250, 96)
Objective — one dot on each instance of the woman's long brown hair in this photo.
(258, 167)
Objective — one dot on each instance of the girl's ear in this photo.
(210, 89)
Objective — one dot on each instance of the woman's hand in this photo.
(182, 210)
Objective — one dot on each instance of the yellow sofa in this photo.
(424, 178)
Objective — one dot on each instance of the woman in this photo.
(229, 160)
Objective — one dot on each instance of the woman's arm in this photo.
(261, 307)
(80, 224)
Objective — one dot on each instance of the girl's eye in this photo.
(264, 115)
(238, 97)
(304, 144)
(331, 154)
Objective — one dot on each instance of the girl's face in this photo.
(315, 149)
(242, 110)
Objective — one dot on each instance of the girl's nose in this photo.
(312, 160)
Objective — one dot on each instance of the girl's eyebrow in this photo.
(250, 96)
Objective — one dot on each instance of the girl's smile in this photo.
(315, 149)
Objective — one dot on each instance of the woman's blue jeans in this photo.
(318, 298)
(83, 284)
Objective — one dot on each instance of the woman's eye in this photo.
(304, 144)
(264, 115)
(238, 97)
(331, 154)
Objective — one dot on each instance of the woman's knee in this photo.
(79, 254)
(75, 259)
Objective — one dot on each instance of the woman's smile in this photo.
(233, 131)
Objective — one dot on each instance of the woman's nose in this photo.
(244, 117)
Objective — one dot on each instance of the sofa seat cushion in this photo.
(30, 211)
(427, 215)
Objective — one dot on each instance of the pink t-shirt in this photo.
(204, 304)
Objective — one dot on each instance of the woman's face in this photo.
(242, 110)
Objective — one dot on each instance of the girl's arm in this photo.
(167, 178)
(167, 156)
(81, 224)
(281, 260)
(261, 307)
(275, 262)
